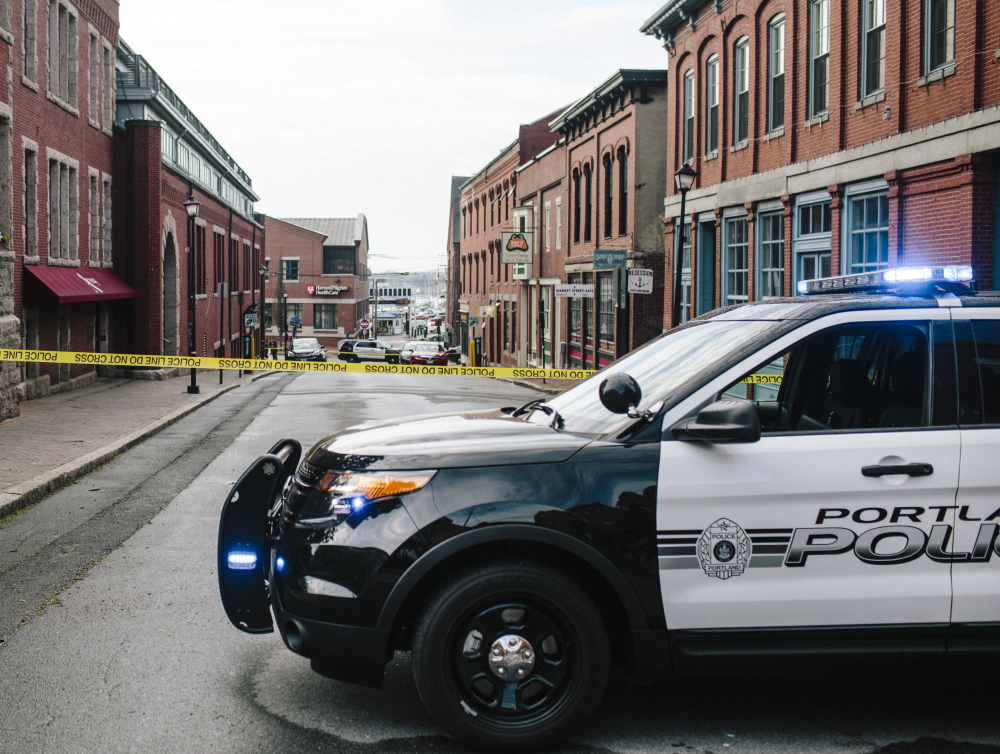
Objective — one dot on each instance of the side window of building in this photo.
(866, 219)
(819, 56)
(873, 376)
(735, 259)
(978, 371)
(872, 47)
(64, 53)
(939, 34)
(770, 251)
(776, 74)
(811, 236)
(741, 91)
(290, 270)
(30, 46)
(712, 105)
(687, 148)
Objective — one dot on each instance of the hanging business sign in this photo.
(640, 281)
(488, 311)
(610, 259)
(516, 247)
(574, 290)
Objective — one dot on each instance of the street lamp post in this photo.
(684, 179)
(192, 207)
(265, 274)
(284, 321)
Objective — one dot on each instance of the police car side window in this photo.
(978, 345)
(871, 376)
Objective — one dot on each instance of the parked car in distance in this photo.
(367, 350)
(305, 349)
(424, 352)
(454, 355)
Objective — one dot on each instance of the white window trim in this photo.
(773, 24)
(771, 207)
(863, 51)
(712, 63)
(558, 223)
(811, 57)
(744, 43)
(730, 213)
(73, 260)
(854, 191)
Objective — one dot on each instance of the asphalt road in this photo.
(118, 643)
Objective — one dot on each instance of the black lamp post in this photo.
(265, 274)
(192, 208)
(683, 179)
(284, 320)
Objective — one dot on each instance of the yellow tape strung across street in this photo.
(265, 365)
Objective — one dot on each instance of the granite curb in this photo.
(26, 494)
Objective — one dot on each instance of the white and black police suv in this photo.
(802, 480)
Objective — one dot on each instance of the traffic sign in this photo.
(295, 321)
(250, 320)
(364, 324)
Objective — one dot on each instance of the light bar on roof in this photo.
(886, 279)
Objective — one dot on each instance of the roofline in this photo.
(503, 153)
(619, 78)
(294, 225)
(672, 15)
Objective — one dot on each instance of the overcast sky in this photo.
(335, 107)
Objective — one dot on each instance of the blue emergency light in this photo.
(884, 280)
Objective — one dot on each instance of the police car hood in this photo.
(447, 441)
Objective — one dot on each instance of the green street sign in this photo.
(610, 259)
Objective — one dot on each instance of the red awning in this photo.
(75, 285)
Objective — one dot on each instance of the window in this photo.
(812, 241)
(685, 230)
(776, 75)
(290, 270)
(63, 52)
(200, 271)
(168, 145)
(95, 216)
(712, 105)
(606, 307)
(741, 91)
(735, 261)
(979, 371)
(30, 203)
(873, 47)
(31, 40)
(558, 222)
(5, 14)
(771, 259)
(622, 191)
(588, 202)
(547, 219)
(108, 68)
(867, 225)
(94, 79)
(63, 211)
(687, 148)
(588, 316)
(576, 205)
(608, 195)
(219, 257)
(855, 377)
(268, 316)
(246, 266)
(819, 55)
(108, 235)
(292, 311)
(939, 34)
(325, 316)
(339, 260)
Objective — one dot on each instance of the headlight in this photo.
(347, 492)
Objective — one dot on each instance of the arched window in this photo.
(687, 148)
(588, 202)
(576, 205)
(622, 191)
(608, 194)
(491, 208)
(741, 91)
(712, 105)
(776, 73)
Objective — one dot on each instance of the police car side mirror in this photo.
(620, 393)
(721, 422)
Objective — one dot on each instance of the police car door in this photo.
(974, 551)
(826, 520)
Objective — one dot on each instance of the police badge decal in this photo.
(724, 549)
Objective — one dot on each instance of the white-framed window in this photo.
(735, 258)
(688, 146)
(622, 191)
(819, 56)
(866, 227)
(290, 270)
(31, 200)
(63, 53)
(325, 316)
(30, 42)
(183, 155)
(939, 34)
(872, 47)
(770, 232)
(712, 105)
(811, 237)
(168, 144)
(94, 219)
(558, 222)
(64, 211)
(685, 231)
(776, 74)
(548, 226)
(108, 235)
(741, 91)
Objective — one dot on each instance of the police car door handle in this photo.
(910, 469)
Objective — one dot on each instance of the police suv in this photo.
(804, 479)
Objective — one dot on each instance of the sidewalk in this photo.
(552, 387)
(60, 438)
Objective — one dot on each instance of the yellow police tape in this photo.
(248, 365)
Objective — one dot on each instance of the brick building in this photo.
(615, 141)
(829, 138)
(165, 157)
(60, 282)
(323, 265)
(453, 248)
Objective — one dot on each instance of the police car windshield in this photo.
(660, 368)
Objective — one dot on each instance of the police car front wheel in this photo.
(511, 656)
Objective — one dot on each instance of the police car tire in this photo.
(582, 645)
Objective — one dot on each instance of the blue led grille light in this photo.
(886, 279)
(241, 560)
(279, 564)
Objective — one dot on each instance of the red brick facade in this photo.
(893, 166)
